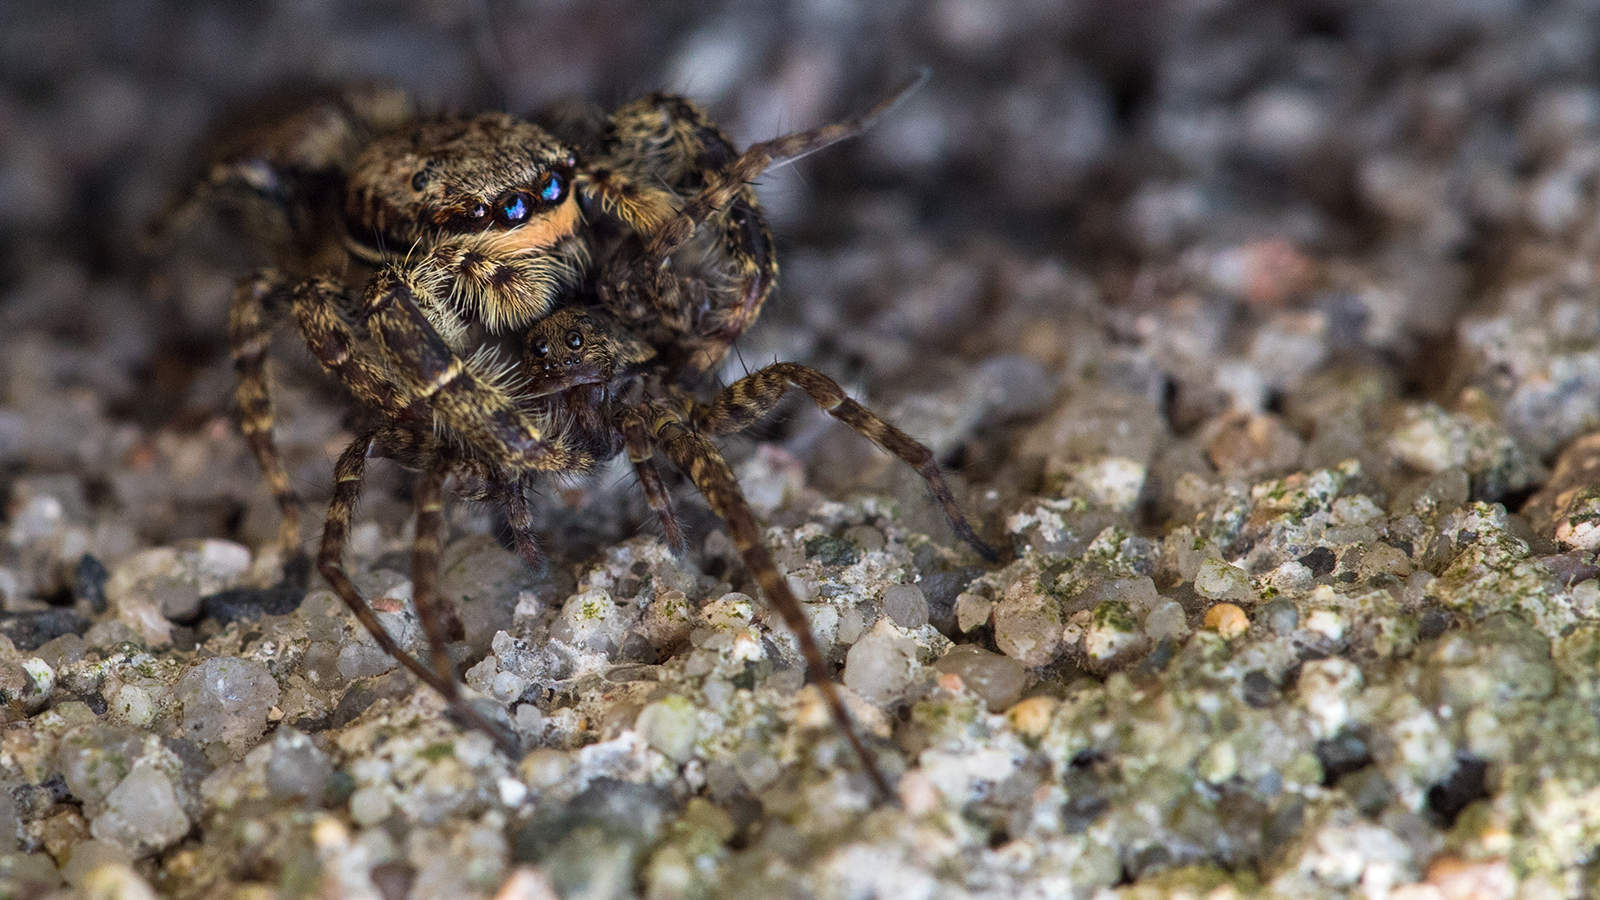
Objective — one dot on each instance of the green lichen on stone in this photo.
(1299, 495)
(436, 752)
(832, 551)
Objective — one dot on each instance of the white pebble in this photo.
(881, 665)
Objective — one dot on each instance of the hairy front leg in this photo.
(469, 395)
(343, 353)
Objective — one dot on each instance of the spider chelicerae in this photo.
(506, 300)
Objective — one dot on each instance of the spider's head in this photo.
(566, 349)
(495, 176)
(573, 347)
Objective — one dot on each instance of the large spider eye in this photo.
(555, 187)
(574, 340)
(512, 208)
(419, 180)
(541, 348)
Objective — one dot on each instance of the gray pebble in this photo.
(905, 605)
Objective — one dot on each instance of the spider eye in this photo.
(512, 209)
(555, 187)
(419, 180)
(541, 348)
(477, 210)
(574, 340)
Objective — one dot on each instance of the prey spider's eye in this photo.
(512, 208)
(419, 180)
(554, 188)
(574, 340)
(541, 348)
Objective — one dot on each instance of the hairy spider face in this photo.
(566, 349)
(490, 175)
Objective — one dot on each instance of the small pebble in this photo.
(226, 699)
(881, 665)
(370, 805)
(999, 680)
(1032, 716)
(1219, 580)
(1281, 616)
(1258, 689)
(669, 726)
(1165, 620)
(360, 659)
(297, 768)
(973, 611)
(906, 605)
(1227, 620)
(1027, 624)
(143, 814)
(118, 881)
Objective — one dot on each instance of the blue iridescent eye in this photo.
(553, 189)
(513, 208)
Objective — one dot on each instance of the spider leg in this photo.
(343, 353)
(742, 403)
(641, 454)
(258, 306)
(349, 471)
(703, 462)
(273, 168)
(425, 569)
(512, 495)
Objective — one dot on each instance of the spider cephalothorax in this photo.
(518, 305)
(484, 208)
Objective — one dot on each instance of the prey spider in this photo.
(506, 303)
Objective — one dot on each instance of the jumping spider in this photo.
(504, 304)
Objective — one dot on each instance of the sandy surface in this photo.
(1262, 338)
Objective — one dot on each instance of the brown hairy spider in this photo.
(509, 304)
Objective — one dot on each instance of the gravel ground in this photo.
(1262, 337)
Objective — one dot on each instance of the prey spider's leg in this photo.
(704, 464)
(722, 187)
(742, 403)
(641, 454)
(258, 304)
(348, 472)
